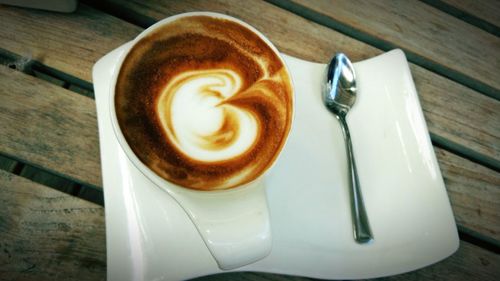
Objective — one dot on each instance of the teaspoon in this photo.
(339, 95)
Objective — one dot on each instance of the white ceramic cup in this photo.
(233, 223)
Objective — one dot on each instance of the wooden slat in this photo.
(474, 193)
(462, 117)
(433, 38)
(49, 126)
(48, 235)
(71, 43)
(458, 117)
(82, 163)
(292, 34)
(488, 10)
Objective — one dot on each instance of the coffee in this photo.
(204, 102)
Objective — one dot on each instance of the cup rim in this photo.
(142, 167)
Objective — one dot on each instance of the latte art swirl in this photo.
(196, 112)
(204, 102)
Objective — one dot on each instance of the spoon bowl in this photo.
(339, 95)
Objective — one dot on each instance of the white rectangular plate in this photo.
(149, 237)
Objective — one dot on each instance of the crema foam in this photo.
(204, 102)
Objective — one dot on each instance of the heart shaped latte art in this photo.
(197, 115)
(204, 102)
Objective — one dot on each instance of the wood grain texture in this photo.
(434, 38)
(488, 10)
(292, 34)
(48, 235)
(49, 126)
(459, 116)
(454, 112)
(474, 193)
(71, 43)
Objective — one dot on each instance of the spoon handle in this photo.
(361, 227)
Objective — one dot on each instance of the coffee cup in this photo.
(202, 104)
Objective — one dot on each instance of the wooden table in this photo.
(52, 215)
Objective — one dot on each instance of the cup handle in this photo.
(234, 224)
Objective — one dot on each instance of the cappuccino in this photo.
(204, 102)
